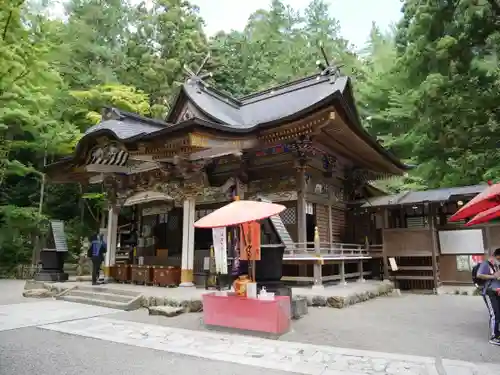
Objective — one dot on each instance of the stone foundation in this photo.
(339, 302)
(190, 299)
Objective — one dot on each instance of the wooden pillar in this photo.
(330, 225)
(360, 264)
(385, 225)
(301, 214)
(342, 272)
(361, 277)
(318, 265)
(240, 188)
(301, 205)
(434, 249)
(488, 245)
(188, 241)
(109, 258)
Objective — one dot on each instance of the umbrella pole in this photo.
(253, 271)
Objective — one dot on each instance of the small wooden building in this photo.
(413, 228)
(300, 144)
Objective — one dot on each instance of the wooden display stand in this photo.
(166, 276)
(141, 274)
(121, 273)
(250, 314)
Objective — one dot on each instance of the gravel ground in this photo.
(30, 351)
(453, 327)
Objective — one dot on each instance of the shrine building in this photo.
(301, 144)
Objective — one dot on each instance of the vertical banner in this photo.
(250, 241)
(220, 249)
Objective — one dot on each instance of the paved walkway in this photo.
(277, 355)
(31, 314)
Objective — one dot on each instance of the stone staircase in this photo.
(102, 296)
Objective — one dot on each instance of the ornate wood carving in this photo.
(187, 115)
(302, 150)
(330, 165)
(244, 166)
(297, 129)
(272, 185)
(356, 180)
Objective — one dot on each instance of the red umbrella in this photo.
(489, 198)
(485, 216)
(239, 212)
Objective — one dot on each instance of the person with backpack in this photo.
(96, 252)
(486, 276)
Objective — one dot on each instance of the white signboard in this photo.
(220, 249)
(464, 263)
(467, 241)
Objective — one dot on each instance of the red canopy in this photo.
(239, 212)
(489, 198)
(485, 216)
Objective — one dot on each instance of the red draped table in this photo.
(269, 316)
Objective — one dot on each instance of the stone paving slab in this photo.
(44, 312)
(271, 354)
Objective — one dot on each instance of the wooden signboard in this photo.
(393, 264)
(280, 228)
(59, 236)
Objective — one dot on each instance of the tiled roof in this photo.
(266, 106)
(124, 129)
(433, 195)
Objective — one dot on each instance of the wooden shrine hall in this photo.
(300, 144)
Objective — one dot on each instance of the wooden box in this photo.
(141, 274)
(166, 275)
(162, 253)
(121, 273)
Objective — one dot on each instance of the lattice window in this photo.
(173, 222)
(201, 213)
(289, 216)
(416, 222)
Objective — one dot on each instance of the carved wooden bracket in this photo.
(302, 149)
(330, 165)
(357, 178)
(244, 167)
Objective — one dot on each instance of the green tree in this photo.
(447, 54)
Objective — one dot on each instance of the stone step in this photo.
(100, 295)
(104, 289)
(98, 302)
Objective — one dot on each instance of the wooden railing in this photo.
(327, 250)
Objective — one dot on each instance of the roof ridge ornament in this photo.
(111, 113)
(327, 68)
(196, 78)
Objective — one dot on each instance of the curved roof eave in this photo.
(356, 126)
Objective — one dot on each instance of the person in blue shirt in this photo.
(489, 272)
(96, 252)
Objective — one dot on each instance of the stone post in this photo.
(318, 272)
(188, 220)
